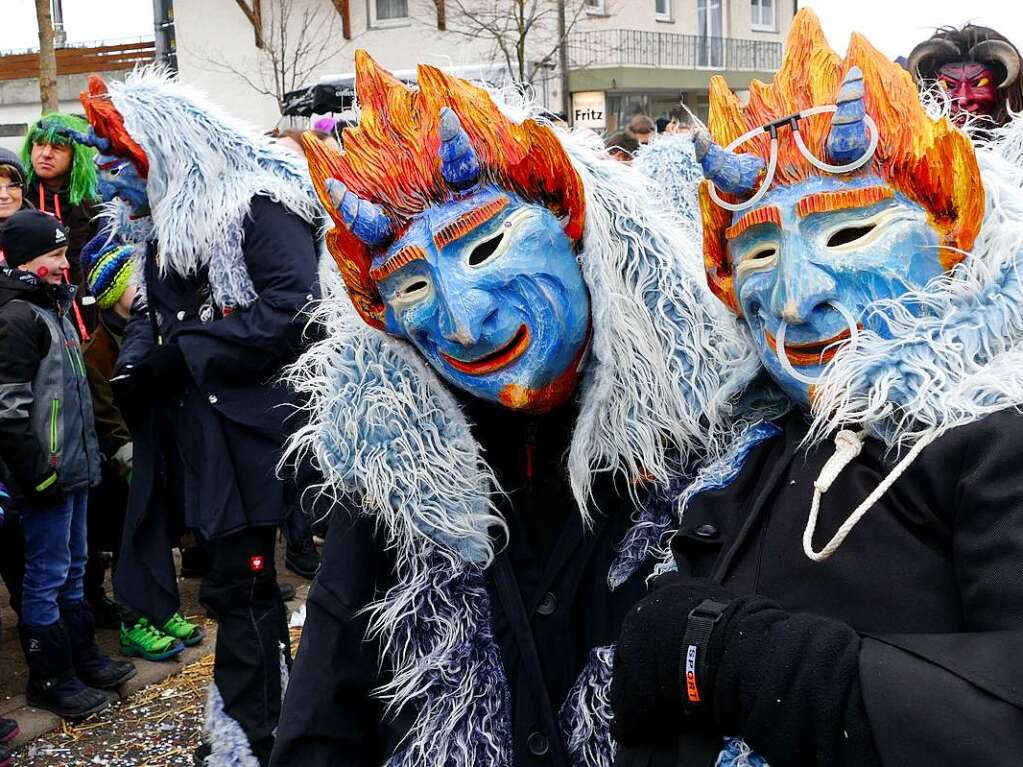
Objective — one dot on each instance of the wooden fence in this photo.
(74, 61)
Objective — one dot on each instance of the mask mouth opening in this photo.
(494, 360)
(828, 348)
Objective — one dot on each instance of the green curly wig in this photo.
(82, 181)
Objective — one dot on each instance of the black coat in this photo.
(931, 580)
(559, 572)
(228, 427)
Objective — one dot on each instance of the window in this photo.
(594, 7)
(388, 13)
(762, 15)
(662, 10)
(710, 23)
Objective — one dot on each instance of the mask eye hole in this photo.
(414, 288)
(485, 250)
(850, 234)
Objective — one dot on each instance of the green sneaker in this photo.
(179, 628)
(143, 640)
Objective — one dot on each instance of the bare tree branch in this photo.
(524, 37)
(291, 44)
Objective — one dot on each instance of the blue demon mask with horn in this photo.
(814, 217)
(481, 276)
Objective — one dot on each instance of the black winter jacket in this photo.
(556, 571)
(931, 581)
(229, 424)
(46, 417)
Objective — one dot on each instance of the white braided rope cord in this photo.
(848, 445)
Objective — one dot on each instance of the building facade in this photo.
(623, 55)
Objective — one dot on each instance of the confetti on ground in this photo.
(156, 727)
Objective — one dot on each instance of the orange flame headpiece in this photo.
(108, 123)
(929, 161)
(392, 164)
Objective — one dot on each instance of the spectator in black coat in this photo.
(48, 441)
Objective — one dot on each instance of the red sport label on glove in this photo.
(692, 692)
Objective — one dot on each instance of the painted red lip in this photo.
(813, 353)
(496, 360)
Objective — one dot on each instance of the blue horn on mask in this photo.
(737, 174)
(459, 164)
(849, 139)
(364, 219)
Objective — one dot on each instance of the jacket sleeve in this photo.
(330, 718)
(280, 254)
(138, 337)
(975, 676)
(919, 700)
(23, 344)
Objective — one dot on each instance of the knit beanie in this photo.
(108, 269)
(29, 234)
(11, 160)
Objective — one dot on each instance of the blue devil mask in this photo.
(484, 283)
(806, 273)
(809, 258)
(119, 178)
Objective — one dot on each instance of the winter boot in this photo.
(52, 684)
(188, 633)
(143, 640)
(302, 558)
(8, 730)
(93, 667)
(105, 610)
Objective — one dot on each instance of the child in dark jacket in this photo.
(48, 440)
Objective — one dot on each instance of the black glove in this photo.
(162, 371)
(46, 492)
(648, 689)
(127, 396)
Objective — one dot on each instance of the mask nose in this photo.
(800, 286)
(466, 314)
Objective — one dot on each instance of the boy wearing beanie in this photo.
(48, 441)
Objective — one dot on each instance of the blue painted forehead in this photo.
(443, 223)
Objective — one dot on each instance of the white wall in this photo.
(209, 32)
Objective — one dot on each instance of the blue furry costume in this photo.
(482, 557)
(847, 586)
(227, 260)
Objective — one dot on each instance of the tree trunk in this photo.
(47, 58)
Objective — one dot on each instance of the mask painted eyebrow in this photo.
(406, 255)
(465, 223)
(767, 214)
(826, 202)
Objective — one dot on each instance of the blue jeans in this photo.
(55, 554)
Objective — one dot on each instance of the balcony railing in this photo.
(636, 48)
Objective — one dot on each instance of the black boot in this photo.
(8, 730)
(93, 667)
(6, 757)
(52, 684)
(106, 611)
(302, 558)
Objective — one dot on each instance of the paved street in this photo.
(157, 718)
